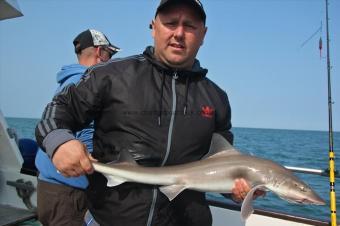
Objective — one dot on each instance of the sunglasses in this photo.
(107, 50)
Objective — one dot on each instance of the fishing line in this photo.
(318, 31)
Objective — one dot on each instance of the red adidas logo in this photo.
(207, 112)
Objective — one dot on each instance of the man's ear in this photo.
(152, 27)
(99, 54)
(205, 32)
(98, 51)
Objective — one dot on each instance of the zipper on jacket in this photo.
(173, 112)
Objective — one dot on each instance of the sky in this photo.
(263, 53)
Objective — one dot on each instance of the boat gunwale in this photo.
(268, 213)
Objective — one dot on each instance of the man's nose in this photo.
(179, 32)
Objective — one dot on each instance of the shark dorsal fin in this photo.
(220, 146)
(126, 157)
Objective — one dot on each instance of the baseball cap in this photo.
(90, 38)
(196, 4)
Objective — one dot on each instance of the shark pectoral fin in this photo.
(247, 205)
(113, 181)
(172, 191)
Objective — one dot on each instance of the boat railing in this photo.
(320, 172)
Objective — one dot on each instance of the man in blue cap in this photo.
(62, 200)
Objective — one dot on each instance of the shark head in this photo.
(296, 191)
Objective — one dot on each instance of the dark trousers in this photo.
(60, 205)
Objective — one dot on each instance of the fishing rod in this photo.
(330, 132)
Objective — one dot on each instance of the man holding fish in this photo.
(159, 107)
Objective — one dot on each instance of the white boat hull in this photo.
(10, 166)
(229, 214)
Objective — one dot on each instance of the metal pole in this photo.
(330, 134)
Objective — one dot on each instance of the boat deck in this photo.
(11, 215)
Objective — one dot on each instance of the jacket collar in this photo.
(196, 70)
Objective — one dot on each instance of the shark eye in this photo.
(300, 187)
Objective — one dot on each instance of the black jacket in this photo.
(162, 116)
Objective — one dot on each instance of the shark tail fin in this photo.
(113, 181)
(125, 158)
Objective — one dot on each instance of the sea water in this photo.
(299, 148)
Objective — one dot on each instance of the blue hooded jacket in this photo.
(69, 74)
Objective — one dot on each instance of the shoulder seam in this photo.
(137, 57)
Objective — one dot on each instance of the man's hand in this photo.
(71, 159)
(241, 189)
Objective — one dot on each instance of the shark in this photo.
(215, 172)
